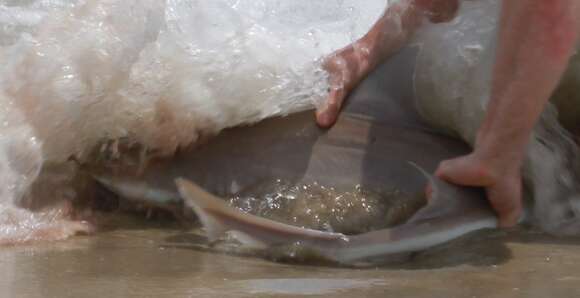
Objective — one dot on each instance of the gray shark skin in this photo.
(377, 135)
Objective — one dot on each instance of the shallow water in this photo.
(157, 261)
(317, 206)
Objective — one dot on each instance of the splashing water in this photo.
(77, 73)
(315, 206)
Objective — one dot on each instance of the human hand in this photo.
(346, 68)
(350, 65)
(501, 179)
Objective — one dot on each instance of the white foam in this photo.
(76, 72)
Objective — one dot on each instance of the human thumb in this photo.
(464, 170)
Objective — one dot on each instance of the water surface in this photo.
(151, 260)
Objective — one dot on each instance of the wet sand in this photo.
(157, 261)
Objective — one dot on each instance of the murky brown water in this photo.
(156, 261)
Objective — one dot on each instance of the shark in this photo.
(380, 141)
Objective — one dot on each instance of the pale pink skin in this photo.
(535, 42)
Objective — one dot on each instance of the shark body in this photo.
(376, 137)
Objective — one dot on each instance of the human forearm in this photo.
(396, 26)
(536, 41)
(350, 65)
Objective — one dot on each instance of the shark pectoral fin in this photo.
(218, 218)
(137, 190)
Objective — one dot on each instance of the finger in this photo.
(464, 171)
(326, 115)
(506, 200)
